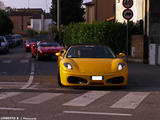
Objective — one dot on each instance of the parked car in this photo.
(45, 49)
(29, 43)
(91, 65)
(10, 41)
(4, 46)
(32, 41)
(17, 39)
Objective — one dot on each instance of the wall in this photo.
(154, 30)
(137, 44)
(104, 9)
(36, 24)
(20, 24)
(47, 22)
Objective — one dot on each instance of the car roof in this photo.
(86, 44)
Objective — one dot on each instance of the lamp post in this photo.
(58, 14)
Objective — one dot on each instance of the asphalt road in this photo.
(29, 91)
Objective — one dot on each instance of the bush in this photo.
(31, 32)
(110, 34)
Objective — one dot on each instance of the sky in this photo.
(30, 3)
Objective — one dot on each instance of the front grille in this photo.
(96, 83)
(77, 80)
(117, 80)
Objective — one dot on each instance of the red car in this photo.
(45, 49)
(32, 41)
(29, 43)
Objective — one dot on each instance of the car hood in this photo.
(94, 65)
(51, 49)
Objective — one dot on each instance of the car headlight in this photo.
(68, 65)
(121, 66)
(40, 50)
(27, 45)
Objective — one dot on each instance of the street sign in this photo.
(128, 14)
(127, 3)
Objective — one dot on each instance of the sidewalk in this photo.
(130, 59)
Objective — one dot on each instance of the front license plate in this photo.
(97, 77)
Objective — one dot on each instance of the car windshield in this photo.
(90, 52)
(8, 37)
(48, 44)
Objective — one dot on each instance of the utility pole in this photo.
(58, 14)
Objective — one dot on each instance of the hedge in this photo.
(107, 33)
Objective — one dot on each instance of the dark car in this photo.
(10, 41)
(45, 49)
(4, 47)
(17, 38)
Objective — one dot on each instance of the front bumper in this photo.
(118, 78)
(48, 55)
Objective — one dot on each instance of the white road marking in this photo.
(7, 61)
(11, 84)
(98, 113)
(24, 61)
(86, 98)
(13, 109)
(33, 86)
(131, 100)
(41, 98)
(30, 81)
(8, 95)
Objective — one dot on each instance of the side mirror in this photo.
(63, 51)
(120, 55)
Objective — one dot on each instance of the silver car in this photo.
(4, 46)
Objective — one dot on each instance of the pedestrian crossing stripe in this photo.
(86, 98)
(24, 61)
(41, 98)
(10, 61)
(130, 101)
(6, 61)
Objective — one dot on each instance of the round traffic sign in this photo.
(127, 3)
(128, 14)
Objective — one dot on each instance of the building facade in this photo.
(24, 19)
(2, 5)
(100, 10)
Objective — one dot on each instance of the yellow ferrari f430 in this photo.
(91, 65)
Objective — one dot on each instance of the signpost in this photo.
(127, 3)
(127, 14)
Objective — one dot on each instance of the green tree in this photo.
(6, 24)
(71, 11)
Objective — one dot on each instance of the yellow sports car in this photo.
(91, 65)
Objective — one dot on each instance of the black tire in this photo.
(33, 56)
(59, 79)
